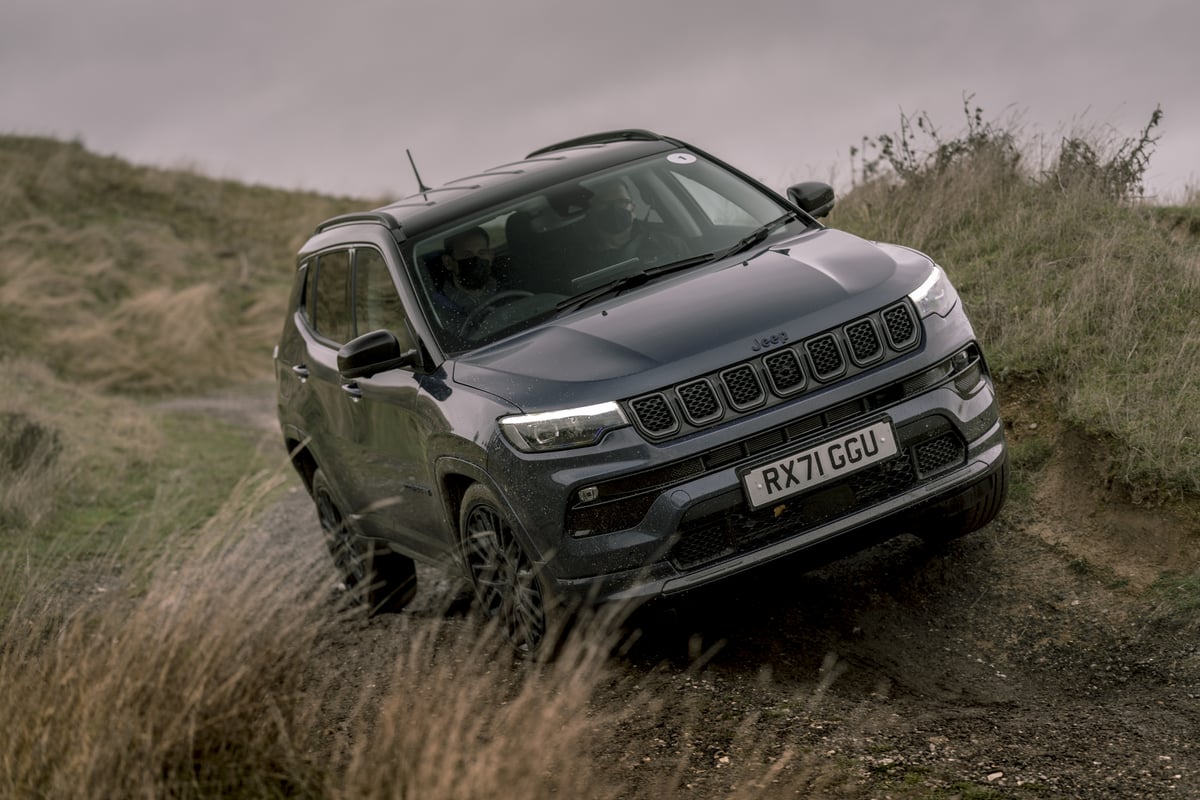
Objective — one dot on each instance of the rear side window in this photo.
(300, 289)
(329, 303)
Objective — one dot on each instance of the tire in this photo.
(374, 576)
(985, 499)
(507, 586)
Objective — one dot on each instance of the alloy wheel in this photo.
(505, 583)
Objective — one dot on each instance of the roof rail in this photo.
(626, 135)
(378, 217)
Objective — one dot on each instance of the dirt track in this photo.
(1026, 660)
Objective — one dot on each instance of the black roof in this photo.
(572, 159)
(627, 135)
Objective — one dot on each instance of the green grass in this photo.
(119, 476)
(185, 485)
(924, 783)
(1181, 593)
(1027, 457)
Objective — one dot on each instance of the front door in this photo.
(393, 418)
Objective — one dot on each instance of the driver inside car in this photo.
(468, 280)
(617, 235)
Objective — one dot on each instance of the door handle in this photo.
(352, 389)
(300, 371)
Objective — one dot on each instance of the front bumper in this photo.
(714, 535)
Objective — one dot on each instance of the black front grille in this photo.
(700, 402)
(931, 445)
(900, 325)
(826, 357)
(743, 387)
(785, 372)
(707, 539)
(802, 366)
(654, 414)
(865, 346)
(702, 545)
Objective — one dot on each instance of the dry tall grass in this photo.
(188, 690)
(220, 678)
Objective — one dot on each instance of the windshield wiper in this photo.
(630, 281)
(612, 287)
(758, 235)
(675, 266)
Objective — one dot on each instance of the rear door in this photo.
(325, 324)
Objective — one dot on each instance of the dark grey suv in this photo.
(621, 369)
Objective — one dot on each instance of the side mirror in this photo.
(371, 353)
(814, 197)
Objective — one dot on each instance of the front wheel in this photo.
(507, 586)
(372, 573)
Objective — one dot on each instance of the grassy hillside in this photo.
(120, 284)
(142, 280)
(1074, 285)
(209, 675)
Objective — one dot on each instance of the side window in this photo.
(300, 289)
(329, 305)
(376, 303)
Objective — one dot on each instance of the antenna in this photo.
(420, 183)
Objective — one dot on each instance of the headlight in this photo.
(935, 295)
(558, 430)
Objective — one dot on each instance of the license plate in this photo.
(788, 476)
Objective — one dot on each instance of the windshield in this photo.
(533, 258)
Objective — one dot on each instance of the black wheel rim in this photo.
(346, 556)
(504, 580)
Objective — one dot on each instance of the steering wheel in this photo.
(477, 314)
(652, 247)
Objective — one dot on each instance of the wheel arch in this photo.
(302, 460)
(455, 477)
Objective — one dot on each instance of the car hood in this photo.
(694, 322)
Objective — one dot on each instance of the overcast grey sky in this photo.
(327, 96)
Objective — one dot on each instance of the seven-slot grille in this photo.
(901, 326)
(654, 415)
(865, 346)
(825, 357)
(820, 359)
(742, 387)
(784, 371)
(699, 401)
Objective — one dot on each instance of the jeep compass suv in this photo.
(620, 369)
